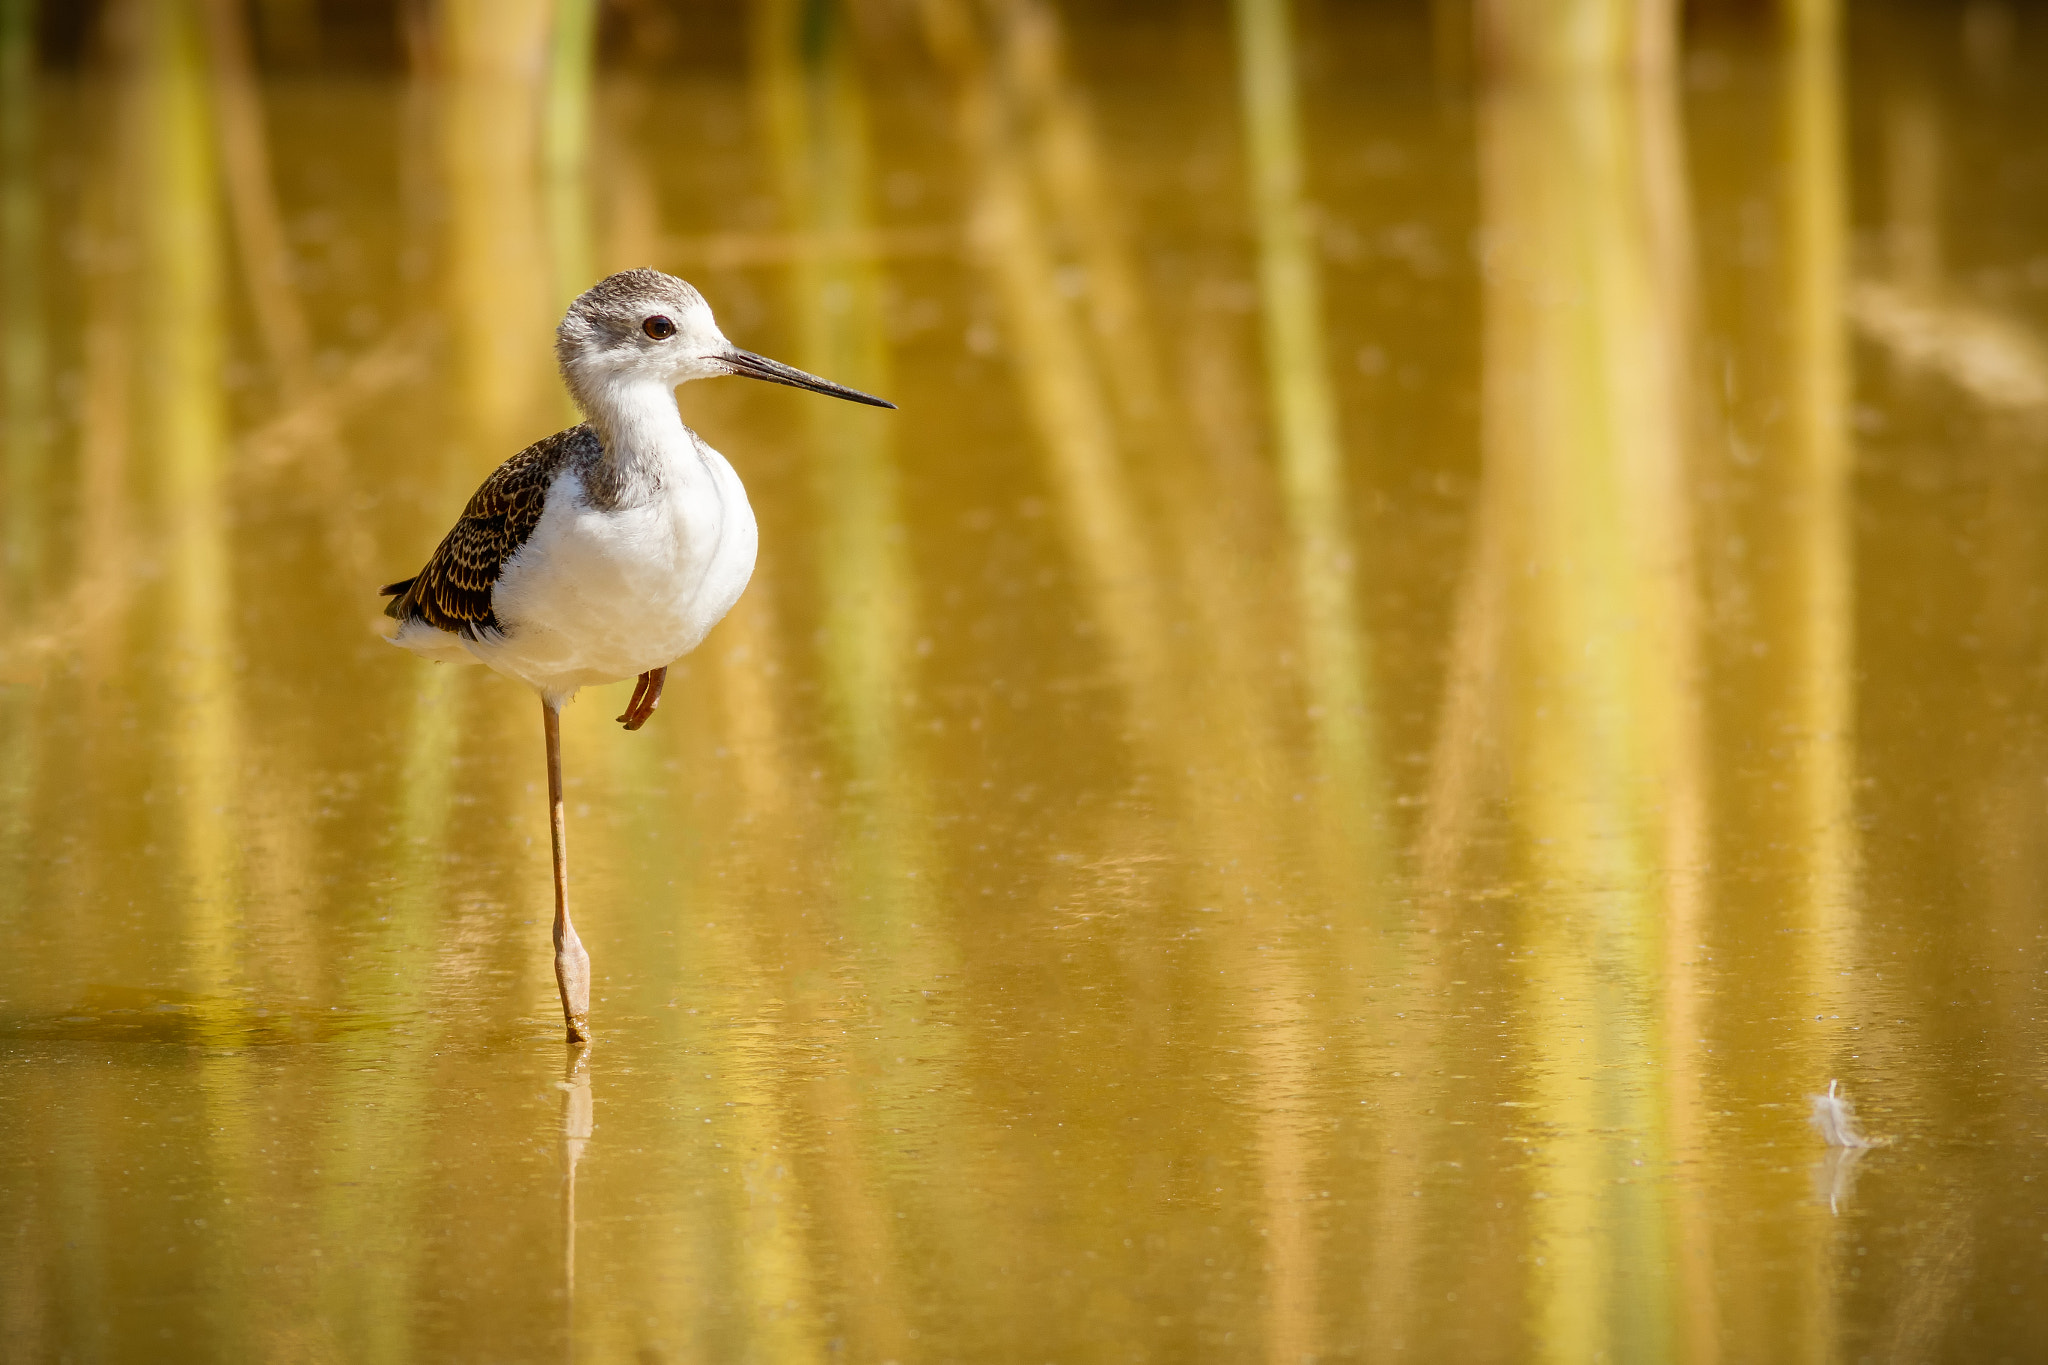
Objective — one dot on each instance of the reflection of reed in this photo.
(1288, 1145)
(1818, 614)
(1577, 38)
(489, 59)
(1049, 226)
(1314, 505)
(1069, 170)
(105, 522)
(1778, 552)
(183, 409)
(811, 97)
(1311, 471)
(23, 360)
(565, 154)
(775, 1268)
(266, 276)
(24, 487)
(625, 217)
(810, 94)
(1065, 397)
(1218, 665)
(1046, 226)
(1819, 458)
(1583, 597)
(1090, 377)
(245, 168)
(178, 302)
(1346, 839)
(1226, 645)
(103, 496)
(244, 172)
(402, 965)
(565, 144)
(1674, 413)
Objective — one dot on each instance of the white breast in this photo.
(595, 596)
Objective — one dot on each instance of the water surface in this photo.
(1420, 666)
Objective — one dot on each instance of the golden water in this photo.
(1421, 666)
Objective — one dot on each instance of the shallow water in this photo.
(1419, 668)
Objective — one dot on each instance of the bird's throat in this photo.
(635, 418)
(642, 433)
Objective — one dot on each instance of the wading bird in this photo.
(606, 550)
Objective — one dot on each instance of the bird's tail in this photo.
(397, 592)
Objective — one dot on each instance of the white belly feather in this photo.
(594, 596)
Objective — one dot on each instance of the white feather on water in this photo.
(1834, 1118)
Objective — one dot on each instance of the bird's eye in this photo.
(658, 327)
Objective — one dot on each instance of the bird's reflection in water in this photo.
(576, 1126)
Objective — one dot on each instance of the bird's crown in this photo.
(637, 325)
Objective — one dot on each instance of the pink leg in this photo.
(572, 964)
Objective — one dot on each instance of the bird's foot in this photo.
(572, 975)
(646, 696)
(639, 691)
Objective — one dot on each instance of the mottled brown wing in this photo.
(453, 592)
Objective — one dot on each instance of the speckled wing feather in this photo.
(453, 593)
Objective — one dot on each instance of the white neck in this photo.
(636, 418)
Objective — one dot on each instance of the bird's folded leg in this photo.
(646, 696)
(639, 691)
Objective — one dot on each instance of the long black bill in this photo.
(775, 372)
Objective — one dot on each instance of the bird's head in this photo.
(642, 326)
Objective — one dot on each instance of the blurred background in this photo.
(1450, 627)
